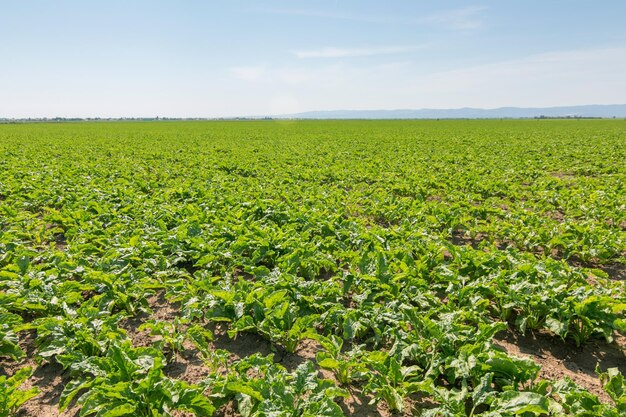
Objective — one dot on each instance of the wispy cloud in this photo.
(466, 18)
(334, 52)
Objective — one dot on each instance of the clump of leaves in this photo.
(275, 392)
(347, 366)
(170, 335)
(130, 382)
(9, 345)
(11, 396)
(486, 401)
(391, 381)
(77, 335)
(614, 384)
(275, 316)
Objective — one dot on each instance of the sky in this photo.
(183, 58)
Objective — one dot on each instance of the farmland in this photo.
(313, 268)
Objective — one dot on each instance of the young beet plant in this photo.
(278, 393)
(614, 384)
(170, 336)
(484, 401)
(130, 382)
(11, 396)
(276, 317)
(347, 366)
(393, 382)
(587, 316)
(8, 339)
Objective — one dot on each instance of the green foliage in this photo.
(171, 335)
(9, 345)
(395, 250)
(130, 382)
(346, 366)
(614, 384)
(11, 396)
(77, 335)
(392, 382)
(275, 392)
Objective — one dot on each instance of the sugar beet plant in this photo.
(367, 261)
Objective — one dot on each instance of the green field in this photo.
(313, 268)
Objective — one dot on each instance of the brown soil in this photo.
(460, 238)
(559, 359)
(239, 272)
(359, 404)
(242, 345)
(187, 366)
(557, 215)
(161, 310)
(247, 344)
(60, 243)
(563, 175)
(612, 223)
(615, 270)
(50, 380)
(228, 410)
(58, 236)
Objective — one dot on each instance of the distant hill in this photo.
(609, 110)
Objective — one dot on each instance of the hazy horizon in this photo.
(242, 58)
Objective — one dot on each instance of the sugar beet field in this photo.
(313, 268)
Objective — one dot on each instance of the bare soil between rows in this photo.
(560, 359)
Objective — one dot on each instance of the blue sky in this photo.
(225, 58)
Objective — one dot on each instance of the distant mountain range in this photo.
(588, 111)
(609, 110)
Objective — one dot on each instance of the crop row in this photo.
(400, 249)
